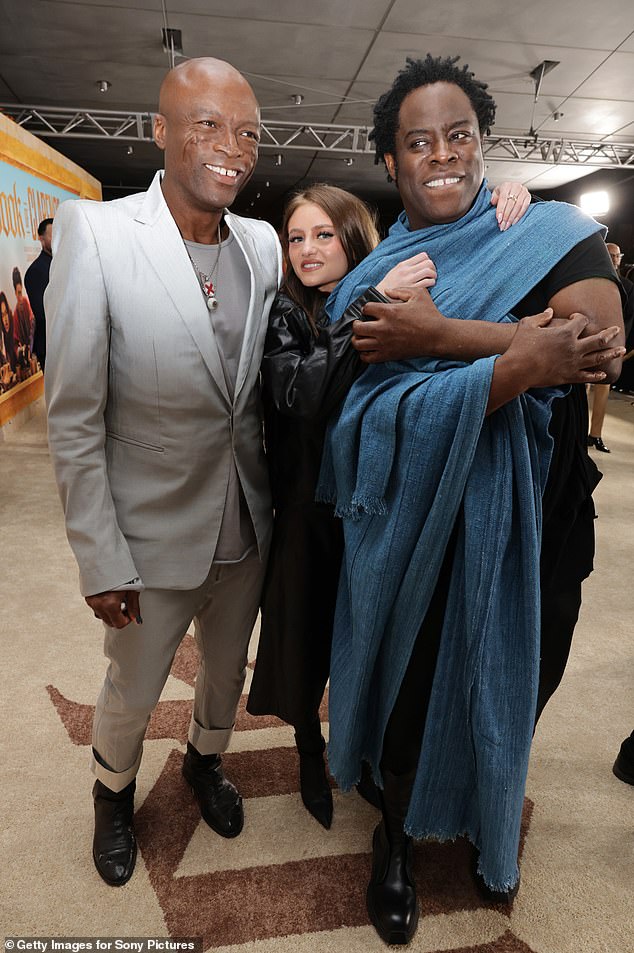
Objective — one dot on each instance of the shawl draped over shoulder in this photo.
(409, 455)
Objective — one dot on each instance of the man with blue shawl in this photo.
(440, 467)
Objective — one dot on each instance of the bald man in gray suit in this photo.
(157, 311)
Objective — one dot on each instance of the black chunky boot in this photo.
(391, 896)
(219, 801)
(313, 782)
(114, 843)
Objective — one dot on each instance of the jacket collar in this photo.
(165, 249)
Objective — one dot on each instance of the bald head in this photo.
(209, 129)
(615, 254)
(190, 78)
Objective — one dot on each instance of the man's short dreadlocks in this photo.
(417, 73)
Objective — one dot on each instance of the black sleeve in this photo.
(307, 373)
(588, 259)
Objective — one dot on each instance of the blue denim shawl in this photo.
(410, 455)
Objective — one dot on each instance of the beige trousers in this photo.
(224, 609)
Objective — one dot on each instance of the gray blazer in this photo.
(141, 426)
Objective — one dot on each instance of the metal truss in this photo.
(52, 122)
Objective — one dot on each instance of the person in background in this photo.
(23, 321)
(8, 355)
(625, 383)
(601, 392)
(35, 281)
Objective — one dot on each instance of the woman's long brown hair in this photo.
(355, 227)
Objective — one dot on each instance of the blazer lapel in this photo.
(164, 248)
(254, 315)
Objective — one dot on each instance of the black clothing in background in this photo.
(35, 282)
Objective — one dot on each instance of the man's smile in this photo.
(443, 181)
(222, 170)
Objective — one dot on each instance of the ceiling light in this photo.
(349, 161)
(297, 98)
(103, 85)
(130, 151)
(595, 203)
(278, 159)
(557, 116)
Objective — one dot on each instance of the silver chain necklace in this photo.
(205, 281)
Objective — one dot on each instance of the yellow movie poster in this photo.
(34, 179)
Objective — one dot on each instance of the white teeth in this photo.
(310, 265)
(231, 173)
(437, 183)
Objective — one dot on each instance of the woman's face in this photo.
(314, 250)
(5, 316)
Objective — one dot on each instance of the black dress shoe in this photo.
(313, 780)
(597, 443)
(220, 804)
(114, 843)
(623, 767)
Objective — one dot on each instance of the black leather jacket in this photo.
(305, 377)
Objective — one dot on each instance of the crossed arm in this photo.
(581, 341)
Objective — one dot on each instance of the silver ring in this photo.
(513, 197)
(123, 606)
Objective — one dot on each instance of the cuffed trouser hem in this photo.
(115, 780)
(209, 740)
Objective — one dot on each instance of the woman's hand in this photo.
(418, 271)
(512, 199)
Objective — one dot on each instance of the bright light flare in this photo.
(595, 203)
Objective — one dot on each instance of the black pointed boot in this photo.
(313, 782)
(391, 896)
(114, 843)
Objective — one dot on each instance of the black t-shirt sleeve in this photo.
(568, 534)
(588, 259)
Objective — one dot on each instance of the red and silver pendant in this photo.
(210, 293)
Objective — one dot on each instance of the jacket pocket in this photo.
(134, 443)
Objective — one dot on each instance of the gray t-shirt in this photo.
(232, 283)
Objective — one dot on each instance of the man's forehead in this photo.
(443, 103)
(208, 82)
